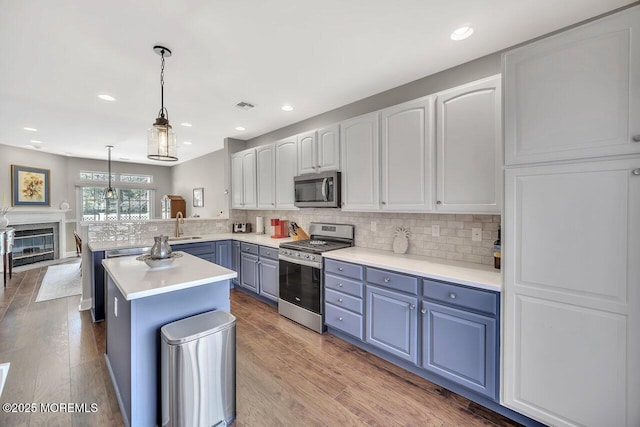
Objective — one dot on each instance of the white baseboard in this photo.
(85, 304)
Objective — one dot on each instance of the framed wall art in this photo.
(198, 197)
(30, 186)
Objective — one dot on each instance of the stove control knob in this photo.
(298, 254)
(307, 256)
(312, 258)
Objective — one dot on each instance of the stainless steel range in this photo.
(301, 279)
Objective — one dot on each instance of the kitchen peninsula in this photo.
(140, 301)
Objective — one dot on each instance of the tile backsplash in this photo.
(373, 230)
(454, 242)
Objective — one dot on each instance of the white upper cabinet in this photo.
(360, 163)
(286, 168)
(576, 94)
(243, 179)
(265, 160)
(328, 153)
(307, 152)
(319, 151)
(407, 156)
(468, 147)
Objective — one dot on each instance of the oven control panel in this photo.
(294, 256)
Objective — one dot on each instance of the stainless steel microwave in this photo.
(317, 190)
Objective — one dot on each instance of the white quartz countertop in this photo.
(259, 239)
(464, 273)
(136, 280)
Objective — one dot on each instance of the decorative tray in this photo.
(159, 262)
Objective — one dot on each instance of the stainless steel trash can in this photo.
(198, 370)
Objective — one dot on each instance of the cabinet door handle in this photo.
(412, 306)
(438, 202)
(340, 319)
(297, 299)
(452, 295)
(339, 285)
(384, 203)
(636, 172)
(423, 311)
(387, 280)
(339, 299)
(636, 138)
(339, 268)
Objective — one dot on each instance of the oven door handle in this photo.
(324, 189)
(314, 264)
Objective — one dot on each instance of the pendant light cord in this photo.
(162, 109)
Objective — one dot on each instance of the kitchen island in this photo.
(140, 300)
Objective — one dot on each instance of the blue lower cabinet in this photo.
(344, 320)
(249, 267)
(204, 250)
(236, 261)
(460, 346)
(224, 254)
(269, 279)
(392, 322)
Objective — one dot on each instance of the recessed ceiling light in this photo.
(240, 128)
(186, 143)
(287, 107)
(461, 33)
(35, 141)
(187, 125)
(106, 97)
(31, 129)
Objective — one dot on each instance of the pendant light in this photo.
(110, 192)
(161, 139)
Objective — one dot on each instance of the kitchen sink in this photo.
(184, 238)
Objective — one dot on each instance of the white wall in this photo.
(208, 172)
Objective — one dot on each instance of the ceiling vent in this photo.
(244, 105)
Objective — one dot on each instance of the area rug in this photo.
(60, 281)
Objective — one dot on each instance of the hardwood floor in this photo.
(286, 375)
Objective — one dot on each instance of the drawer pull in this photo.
(340, 319)
(412, 306)
(339, 285)
(423, 311)
(636, 138)
(452, 295)
(339, 268)
(339, 299)
(387, 280)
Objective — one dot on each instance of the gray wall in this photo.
(64, 174)
(482, 67)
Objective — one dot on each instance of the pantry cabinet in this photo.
(469, 147)
(407, 164)
(572, 236)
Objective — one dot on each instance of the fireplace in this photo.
(31, 246)
(35, 243)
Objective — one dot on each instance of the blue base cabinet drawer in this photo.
(344, 320)
(249, 248)
(268, 252)
(400, 282)
(343, 269)
(343, 300)
(341, 284)
(461, 347)
(461, 296)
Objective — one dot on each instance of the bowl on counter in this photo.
(157, 263)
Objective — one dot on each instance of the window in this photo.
(134, 202)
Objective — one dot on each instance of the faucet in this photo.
(179, 220)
